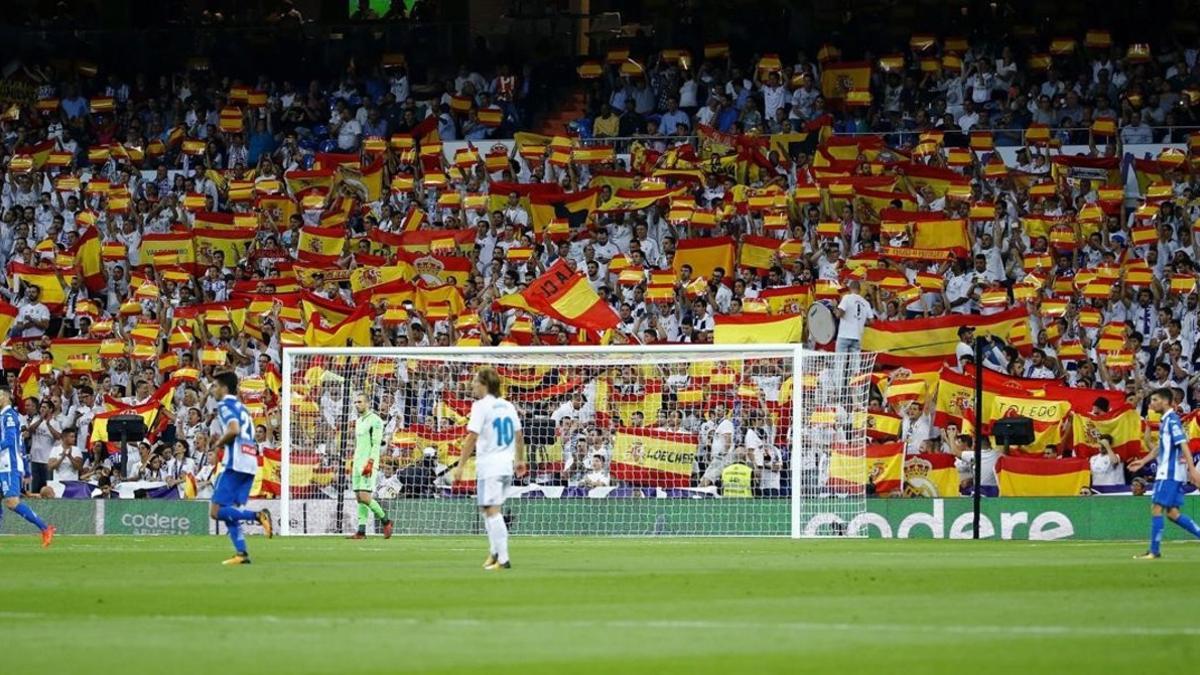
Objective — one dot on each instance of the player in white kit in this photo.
(494, 437)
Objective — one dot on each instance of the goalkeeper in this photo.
(368, 437)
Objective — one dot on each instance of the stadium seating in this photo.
(1047, 201)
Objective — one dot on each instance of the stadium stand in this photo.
(1038, 190)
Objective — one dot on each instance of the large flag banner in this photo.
(956, 394)
(931, 475)
(568, 297)
(939, 336)
(1124, 426)
(1047, 416)
(758, 328)
(1037, 477)
(653, 458)
(880, 464)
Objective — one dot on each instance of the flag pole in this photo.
(977, 497)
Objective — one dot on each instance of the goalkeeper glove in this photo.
(369, 467)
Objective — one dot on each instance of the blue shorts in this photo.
(10, 484)
(233, 488)
(1168, 494)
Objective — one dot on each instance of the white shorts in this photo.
(490, 491)
(713, 473)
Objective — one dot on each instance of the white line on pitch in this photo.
(664, 624)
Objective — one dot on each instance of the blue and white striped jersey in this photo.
(1171, 443)
(11, 450)
(241, 454)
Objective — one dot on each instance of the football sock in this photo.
(375, 508)
(1188, 524)
(363, 513)
(1156, 534)
(27, 513)
(498, 535)
(236, 536)
(231, 514)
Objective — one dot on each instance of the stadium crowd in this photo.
(155, 230)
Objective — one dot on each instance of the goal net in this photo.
(682, 440)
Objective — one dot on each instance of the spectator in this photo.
(66, 459)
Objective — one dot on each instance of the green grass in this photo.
(164, 605)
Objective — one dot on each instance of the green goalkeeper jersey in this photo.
(368, 437)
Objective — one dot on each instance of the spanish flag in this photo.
(354, 331)
(758, 252)
(589, 70)
(902, 390)
(628, 199)
(1124, 426)
(365, 280)
(1038, 477)
(150, 411)
(881, 464)
(788, 299)
(178, 245)
(883, 426)
(8, 314)
(232, 243)
(565, 296)
(62, 350)
(447, 295)
(758, 328)
(86, 254)
(299, 181)
(704, 255)
(841, 77)
(322, 241)
(52, 293)
(572, 207)
(938, 336)
(931, 475)
(653, 458)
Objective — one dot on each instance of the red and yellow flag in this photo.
(565, 296)
(931, 475)
(881, 464)
(1038, 477)
(840, 78)
(938, 336)
(232, 243)
(653, 458)
(1124, 426)
(52, 293)
(704, 255)
(758, 328)
(355, 331)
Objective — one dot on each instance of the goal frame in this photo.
(797, 352)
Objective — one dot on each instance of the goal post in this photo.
(700, 440)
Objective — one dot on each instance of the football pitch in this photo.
(592, 605)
